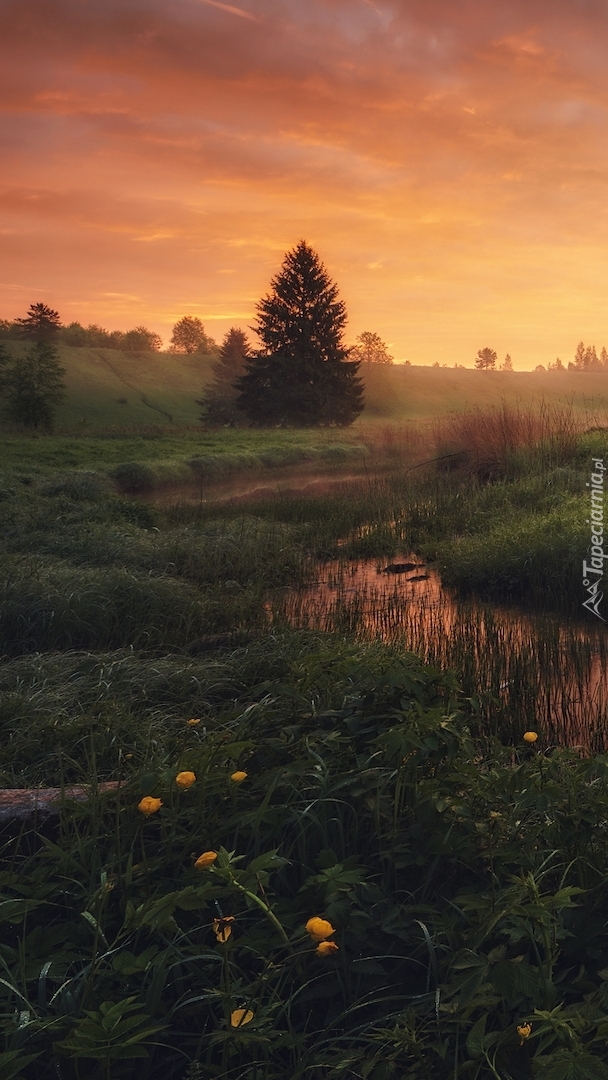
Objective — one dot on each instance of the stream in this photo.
(529, 670)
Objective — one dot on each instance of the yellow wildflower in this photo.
(319, 929)
(193, 722)
(240, 1017)
(530, 736)
(325, 948)
(524, 1032)
(205, 860)
(221, 927)
(238, 777)
(148, 805)
(185, 780)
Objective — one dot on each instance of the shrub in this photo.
(134, 478)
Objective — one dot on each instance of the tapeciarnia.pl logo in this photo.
(593, 572)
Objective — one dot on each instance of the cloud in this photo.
(461, 148)
(231, 10)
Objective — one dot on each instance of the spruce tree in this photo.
(32, 385)
(301, 377)
(40, 324)
(219, 399)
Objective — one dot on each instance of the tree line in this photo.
(188, 334)
(585, 359)
(303, 375)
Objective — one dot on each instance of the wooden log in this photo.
(18, 803)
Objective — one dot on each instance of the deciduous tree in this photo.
(370, 349)
(189, 337)
(142, 340)
(302, 376)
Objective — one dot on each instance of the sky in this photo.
(447, 159)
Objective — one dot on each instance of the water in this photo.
(526, 670)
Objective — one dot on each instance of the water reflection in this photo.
(527, 670)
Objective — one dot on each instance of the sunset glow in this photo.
(448, 161)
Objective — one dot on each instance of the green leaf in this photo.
(126, 963)
(191, 898)
(155, 913)
(476, 1038)
(573, 1065)
(511, 978)
(12, 1062)
(269, 860)
(110, 1034)
(13, 910)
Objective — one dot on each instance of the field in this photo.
(325, 858)
(110, 389)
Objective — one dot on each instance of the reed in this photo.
(489, 443)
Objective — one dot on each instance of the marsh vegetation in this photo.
(152, 629)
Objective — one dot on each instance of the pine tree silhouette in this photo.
(219, 399)
(302, 376)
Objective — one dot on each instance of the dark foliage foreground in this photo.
(463, 882)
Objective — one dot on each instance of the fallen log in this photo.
(25, 802)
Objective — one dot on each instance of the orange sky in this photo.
(448, 159)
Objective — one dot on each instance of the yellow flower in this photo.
(221, 929)
(319, 929)
(524, 1033)
(185, 779)
(238, 777)
(205, 860)
(148, 805)
(325, 948)
(193, 722)
(240, 1017)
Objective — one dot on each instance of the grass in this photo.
(217, 453)
(462, 871)
(464, 883)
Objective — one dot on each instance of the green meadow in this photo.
(107, 388)
(326, 859)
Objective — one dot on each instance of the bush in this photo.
(134, 478)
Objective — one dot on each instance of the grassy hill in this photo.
(107, 388)
(423, 393)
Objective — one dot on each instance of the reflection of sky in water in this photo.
(542, 670)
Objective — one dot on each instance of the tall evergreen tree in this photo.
(219, 400)
(32, 385)
(40, 324)
(302, 376)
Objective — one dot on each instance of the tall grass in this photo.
(489, 443)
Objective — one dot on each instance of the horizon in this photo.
(446, 164)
